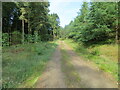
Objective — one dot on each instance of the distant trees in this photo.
(96, 22)
(25, 22)
(55, 24)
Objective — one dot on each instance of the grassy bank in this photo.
(104, 56)
(23, 64)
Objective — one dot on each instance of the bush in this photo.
(16, 38)
(5, 39)
(39, 49)
(29, 38)
(32, 38)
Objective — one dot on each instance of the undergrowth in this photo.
(23, 64)
(104, 56)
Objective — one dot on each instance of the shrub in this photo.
(5, 39)
(16, 38)
(29, 38)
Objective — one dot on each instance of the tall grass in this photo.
(23, 64)
(104, 56)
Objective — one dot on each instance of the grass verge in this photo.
(101, 55)
(23, 64)
(72, 78)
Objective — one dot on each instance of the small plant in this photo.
(30, 38)
(5, 39)
(95, 52)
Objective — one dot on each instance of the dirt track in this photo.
(53, 77)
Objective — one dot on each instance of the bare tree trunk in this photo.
(116, 37)
(28, 20)
(9, 32)
(28, 27)
(54, 34)
(23, 31)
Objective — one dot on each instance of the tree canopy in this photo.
(28, 22)
(95, 22)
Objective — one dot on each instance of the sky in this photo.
(66, 10)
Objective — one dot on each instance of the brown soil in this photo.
(53, 76)
(90, 76)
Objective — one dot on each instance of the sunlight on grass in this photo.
(109, 51)
(104, 56)
(22, 64)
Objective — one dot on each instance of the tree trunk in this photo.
(23, 31)
(9, 32)
(29, 29)
(117, 28)
(116, 37)
(54, 34)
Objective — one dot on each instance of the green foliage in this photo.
(96, 22)
(41, 50)
(5, 39)
(22, 62)
(16, 38)
(31, 20)
(95, 52)
(55, 22)
(29, 38)
(104, 56)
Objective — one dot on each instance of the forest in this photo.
(31, 37)
(28, 23)
(96, 22)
